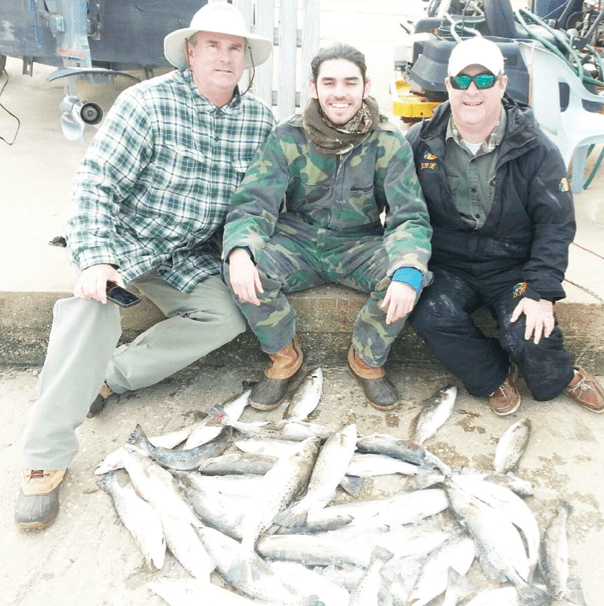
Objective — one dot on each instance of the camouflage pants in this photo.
(286, 264)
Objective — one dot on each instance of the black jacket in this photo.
(528, 232)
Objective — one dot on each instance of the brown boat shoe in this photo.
(505, 399)
(585, 390)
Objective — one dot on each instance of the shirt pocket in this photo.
(179, 169)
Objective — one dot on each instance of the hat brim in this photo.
(258, 51)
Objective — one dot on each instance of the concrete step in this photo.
(325, 320)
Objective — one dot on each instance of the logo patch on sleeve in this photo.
(564, 185)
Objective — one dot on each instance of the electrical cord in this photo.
(8, 111)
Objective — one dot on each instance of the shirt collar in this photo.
(232, 107)
(490, 143)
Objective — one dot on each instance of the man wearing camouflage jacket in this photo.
(309, 212)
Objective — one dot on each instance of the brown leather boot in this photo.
(38, 501)
(380, 392)
(282, 367)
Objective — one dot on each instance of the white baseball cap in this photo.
(221, 18)
(476, 51)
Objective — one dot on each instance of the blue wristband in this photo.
(409, 275)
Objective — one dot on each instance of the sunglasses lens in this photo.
(461, 82)
(484, 80)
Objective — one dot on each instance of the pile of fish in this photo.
(266, 513)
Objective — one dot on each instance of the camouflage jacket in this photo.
(327, 196)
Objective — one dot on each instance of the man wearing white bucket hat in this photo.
(150, 199)
(503, 221)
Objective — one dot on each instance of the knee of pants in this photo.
(430, 316)
(230, 318)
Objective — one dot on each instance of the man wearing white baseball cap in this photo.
(503, 221)
(150, 198)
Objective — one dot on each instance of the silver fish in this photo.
(278, 487)
(181, 459)
(156, 485)
(499, 545)
(434, 413)
(509, 506)
(459, 587)
(262, 585)
(208, 430)
(328, 471)
(300, 579)
(555, 550)
(511, 446)
(186, 546)
(270, 447)
(371, 465)
(457, 552)
(366, 592)
(306, 397)
(223, 512)
(381, 443)
(139, 518)
(353, 545)
(281, 430)
(237, 464)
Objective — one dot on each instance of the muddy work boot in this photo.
(505, 399)
(283, 366)
(379, 390)
(100, 401)
(38, 501)
(585, 390)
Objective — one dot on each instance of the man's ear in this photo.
(312, 89)
(367, 88)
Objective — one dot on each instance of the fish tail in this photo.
(241, 570)
(531, 595)
(138, 436)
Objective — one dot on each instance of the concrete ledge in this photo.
(326, 317)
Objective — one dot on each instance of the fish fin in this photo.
(574, 592)
(290, 518)
(353, 485)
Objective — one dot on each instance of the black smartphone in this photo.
(121, 296)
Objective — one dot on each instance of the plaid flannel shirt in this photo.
(153, 189)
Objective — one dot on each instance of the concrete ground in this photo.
(86, 557)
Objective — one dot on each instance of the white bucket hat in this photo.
(221, 18)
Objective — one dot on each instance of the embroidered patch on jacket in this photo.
(429, 156)
(519, 289)
(564, 185)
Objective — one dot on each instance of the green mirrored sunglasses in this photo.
(482, 81)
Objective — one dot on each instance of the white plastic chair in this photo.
(574, 129)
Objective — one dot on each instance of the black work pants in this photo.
(442, 317)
